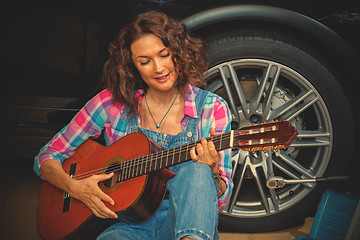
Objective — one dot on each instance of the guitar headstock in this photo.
(266, 136)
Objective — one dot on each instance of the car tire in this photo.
(299, 86)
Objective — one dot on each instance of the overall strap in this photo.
(133, 124)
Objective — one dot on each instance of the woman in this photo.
(151, 78)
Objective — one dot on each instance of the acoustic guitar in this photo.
(140, 177)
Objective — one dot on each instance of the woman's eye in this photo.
(144, 63)
(166, 55)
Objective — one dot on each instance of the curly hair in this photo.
(189, 56)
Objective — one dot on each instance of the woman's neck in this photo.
(161, 98)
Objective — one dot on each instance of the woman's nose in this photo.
(159, 67)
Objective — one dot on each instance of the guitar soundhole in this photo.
(112, 181)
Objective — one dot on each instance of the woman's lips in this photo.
(163, 78)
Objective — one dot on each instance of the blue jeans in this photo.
(189, 210)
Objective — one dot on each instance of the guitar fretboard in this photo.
(165, 158)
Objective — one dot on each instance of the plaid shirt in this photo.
(102, 114)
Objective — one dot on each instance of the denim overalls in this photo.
(190, 205)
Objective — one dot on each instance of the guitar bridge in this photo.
(67, 196)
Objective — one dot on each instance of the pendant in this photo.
(157, 125)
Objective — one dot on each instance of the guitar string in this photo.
(140, 160)
(132, 163)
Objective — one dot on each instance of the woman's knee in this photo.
(195, 175)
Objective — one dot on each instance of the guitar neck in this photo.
(166, 158)
(264, 137)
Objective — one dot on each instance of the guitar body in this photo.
(136, 199)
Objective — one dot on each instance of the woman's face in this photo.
(154, 62)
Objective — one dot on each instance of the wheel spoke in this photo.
(237, 185)
(274, 199)
(255, 102)
(262, 193)
(270, 90)
(238, 89)
(308, 138)
(229, 92)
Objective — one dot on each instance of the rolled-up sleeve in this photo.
(222, 119)
(217, 115)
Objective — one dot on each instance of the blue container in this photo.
(333, 218)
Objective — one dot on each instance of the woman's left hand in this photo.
(206, 153)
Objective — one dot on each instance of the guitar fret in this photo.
(179, 154)
(145, 163)
(148, 164)
(220, 141)
(173, 156)
(167, 157)
(154, 161)
(148, 169)
(126, 170)
(158, 161)
(123, 173)
(129, 172)
(133, 170)
(141, 169)
(162, 155)
(137, 166)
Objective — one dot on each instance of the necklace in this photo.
(158, 124)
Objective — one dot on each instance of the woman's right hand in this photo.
(87, 190)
